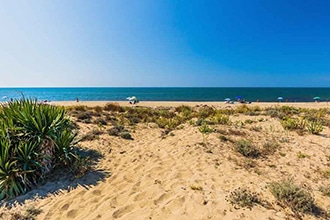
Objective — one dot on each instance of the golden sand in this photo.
(177, 177)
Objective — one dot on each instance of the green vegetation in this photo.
(126, 135)
(119, 130)
(326, 173)
(34, 139)
(220, 118)
(298, 199)
(302, 155)
(325, 190)
(113, 107)
(314, 127)
(293, 123)
(91, 135)
(224, 138)
(17, 212)
(242, 197)
(270, 147)
(245, 148)
(205, 130)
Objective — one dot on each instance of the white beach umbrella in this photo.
(280, 98)
(131, 98)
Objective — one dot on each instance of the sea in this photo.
(168, 94)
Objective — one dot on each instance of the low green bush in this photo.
(221, 119)
(293, 123)
(114, 107)
(298, 199)
(245, 148)
(126, 135)
(243, 197)
(34, 139)
(314, 127)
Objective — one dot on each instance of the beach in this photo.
(221, 104)
(183, 173)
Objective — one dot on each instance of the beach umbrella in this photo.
(131, 98)
(227, 99)
(316, 98)
(238, 97)
(280, 98)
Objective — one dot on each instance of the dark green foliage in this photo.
(249, 121)
(185, 111)
(91, 135)
(113, 107)
(223, 138)
(126, 135)
(141, 114)
(200, 121)
(119, 130)
(85, 117)
(116, 130)
(34, 138)
(270, 147)
(205, 112)
(241, 198)
(298, 199)
(245, 148)
(100, 121)
(275, 113)
(77, 108)
(133, 120)
(98, 109)
(20, 213)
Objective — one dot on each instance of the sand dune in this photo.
(178, 177)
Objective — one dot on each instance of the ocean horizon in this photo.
(198, 94)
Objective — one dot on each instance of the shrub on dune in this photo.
(34, 138)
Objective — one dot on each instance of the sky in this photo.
(172, 43)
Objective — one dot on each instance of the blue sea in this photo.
(167, 94)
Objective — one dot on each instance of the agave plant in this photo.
(34, 138)
(10, 185)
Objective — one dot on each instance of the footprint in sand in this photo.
(161, 198)
(72, 213)
(65, 207)
(139, 196)
(175, 205)
(97, 192)
(122, 211)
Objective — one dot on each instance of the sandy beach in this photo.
(222, 104)
(186, 175)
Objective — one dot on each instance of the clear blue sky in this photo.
(165, 43)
